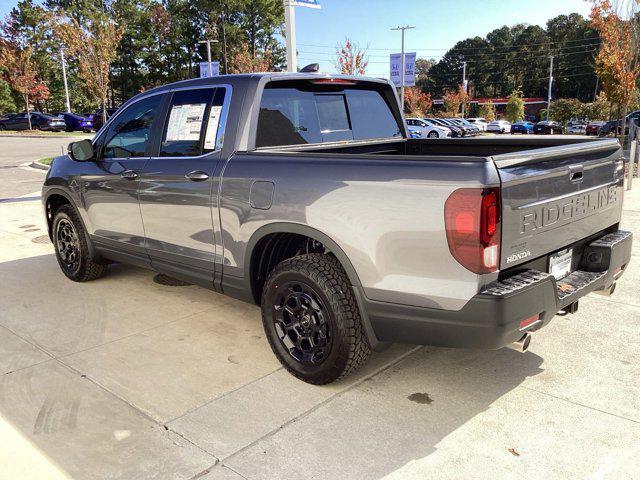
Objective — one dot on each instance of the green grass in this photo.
(46, 160)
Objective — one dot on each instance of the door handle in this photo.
(129, 175)
(197, 176)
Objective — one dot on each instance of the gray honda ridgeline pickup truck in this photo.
(302, 193)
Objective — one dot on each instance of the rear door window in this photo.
(191, 126)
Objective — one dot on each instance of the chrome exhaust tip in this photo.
(521, 345)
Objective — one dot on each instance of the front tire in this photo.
(311, 319)
(433, 135)
(71, 247)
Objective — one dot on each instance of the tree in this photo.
(351, 59)
(514, 110)
(488, 111)
(618, 61)
(453, 100)
(19, 70)
(564, 109)
(94, 44)
(243, 62)
(7, 104)
(416, 102)
(598, 109)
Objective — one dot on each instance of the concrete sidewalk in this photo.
(124, 378)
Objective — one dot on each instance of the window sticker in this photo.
(212, 128)
(185, 122)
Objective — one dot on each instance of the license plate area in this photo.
(560, 263)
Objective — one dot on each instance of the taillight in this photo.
(472, 222)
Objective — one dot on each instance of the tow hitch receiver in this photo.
(571, 308)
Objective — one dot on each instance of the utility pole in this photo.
(224, 39)
(208, 42)
(464, 82)
(290, 33)
(402, 66)
(550, 84)
(64, 78)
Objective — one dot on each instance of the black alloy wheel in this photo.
(68, 245)
(301, 323)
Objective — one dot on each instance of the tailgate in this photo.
(553, 197)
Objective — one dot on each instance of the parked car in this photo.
(593, 128)
(243, 201)
(427, 130)
(39, 121)
(614, 127)
(456, 132)
(74, 121)
(414, 132)
(499, 126)
(5, 118)
(522, 127)
(548, 127)
(479, 122)
(97, 118)
(577, 128)
(472, 130)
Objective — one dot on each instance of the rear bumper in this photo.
(491, 319)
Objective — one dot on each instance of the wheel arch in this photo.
(261, 238)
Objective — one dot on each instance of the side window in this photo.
(191, 127)
(128, 134)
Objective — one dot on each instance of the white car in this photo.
(499, 126)
(479, 122)
(427, 130)
(577, 128)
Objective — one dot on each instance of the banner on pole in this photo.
(204, 69)
(409, 69)
(305, 3)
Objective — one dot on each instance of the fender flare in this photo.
(333, 247)
(58, 191)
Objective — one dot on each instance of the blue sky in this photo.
(439, 25)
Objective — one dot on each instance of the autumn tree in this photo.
(416, 102)
(453, 100)
(618, 61)
(19, 70)
(243, 62)
(351, 59)
(94, 45)
(488, 111)
(514, 110)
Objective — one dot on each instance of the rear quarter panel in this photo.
(385, 213)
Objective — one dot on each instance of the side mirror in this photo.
(81, 151)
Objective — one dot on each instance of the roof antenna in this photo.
(311, 68)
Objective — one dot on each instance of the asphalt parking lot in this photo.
(125, 378)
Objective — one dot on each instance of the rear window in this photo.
(295, 115)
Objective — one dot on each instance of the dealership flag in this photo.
(204, 69)
(395, 59)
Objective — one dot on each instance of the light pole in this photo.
(64, 78)
(290, 33)
(402, 66)
(208, 42)
(464, 82)
(550, 84)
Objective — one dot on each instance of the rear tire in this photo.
(71, 247)
(311, 319)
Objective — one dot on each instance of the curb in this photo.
(4, 135)
(39, 166)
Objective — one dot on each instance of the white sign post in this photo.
(209, 69)
(290, 28)
(396, 74)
